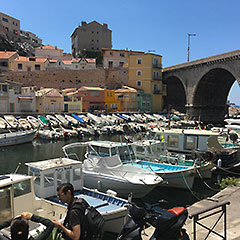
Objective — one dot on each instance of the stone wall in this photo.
(61, 79)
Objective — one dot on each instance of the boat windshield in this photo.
(5, 206)
(126, 153)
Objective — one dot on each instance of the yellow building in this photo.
(112, 104)
(128, 98)
(7, 60)
(145, 73)
(49, 100)
(72, 102)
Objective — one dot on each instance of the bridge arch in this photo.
(211, 92)
(176, 94)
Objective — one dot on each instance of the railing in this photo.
(196, 218)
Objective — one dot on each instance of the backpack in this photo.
(93, 220)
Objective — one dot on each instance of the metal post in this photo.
(189, 35)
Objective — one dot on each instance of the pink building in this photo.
(92, 98)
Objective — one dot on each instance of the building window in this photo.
(121, 54)
(139, 73)
(92, 40)
(46, 106)
(19, 66)
(5, 19)
(139, 61)
(110, 53)
(139, 83)
(4, 88)
(121, 64)
(37, 67)
(108, 94)
(110, 64)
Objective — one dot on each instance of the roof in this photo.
(49, 47)
(26, 59)
(125, 89)
(67, 90)
(48, 92)
(6, 54)
(90, 88)
(52, 163)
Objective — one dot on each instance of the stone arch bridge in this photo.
(200, 88)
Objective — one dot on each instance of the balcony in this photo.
(157, 66)
(156, 78)
(156, 91)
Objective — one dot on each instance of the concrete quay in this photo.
(230, 194)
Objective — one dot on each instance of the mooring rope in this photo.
(205, 183)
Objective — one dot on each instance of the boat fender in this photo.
(219, 163)
(111, 193)
(99, 185)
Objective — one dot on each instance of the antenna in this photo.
(19, 164)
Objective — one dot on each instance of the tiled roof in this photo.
(48, 92)
(49, 47)
(126, 89)
(26, 59)
(91, 88)
(6, 55)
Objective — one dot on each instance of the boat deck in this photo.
(96, 199)
(156, 167)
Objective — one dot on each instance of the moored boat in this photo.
(106, 171)
(14, 138)
(51, 173)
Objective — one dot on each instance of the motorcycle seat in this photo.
(177, 210)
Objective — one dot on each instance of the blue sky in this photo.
(159, 25)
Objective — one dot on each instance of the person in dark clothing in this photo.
(19, 226)
(73, 224)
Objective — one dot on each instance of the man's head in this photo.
(65, 192)
(19, 229)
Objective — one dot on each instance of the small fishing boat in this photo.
(23, 122)
(44, 121)
(51, 173)
(12, 121)
(72, 120)
(104, 171)
(17, 196)
(4, 124)
(53, 121)
(64, 122)
(14, 138)
(34, 122)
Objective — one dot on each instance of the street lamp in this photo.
(190, 35)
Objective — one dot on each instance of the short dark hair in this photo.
(19, 229)
(65, 187)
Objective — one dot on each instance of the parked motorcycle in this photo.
(168, 224)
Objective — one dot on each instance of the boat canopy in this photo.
(78, 118)
(124, 117)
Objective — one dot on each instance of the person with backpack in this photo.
(76, 223)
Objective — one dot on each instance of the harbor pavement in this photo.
(231, 195)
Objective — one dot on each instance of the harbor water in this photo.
(13, 159)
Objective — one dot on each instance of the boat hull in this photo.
(9, 139)
(120, 185)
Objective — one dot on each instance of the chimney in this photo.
(105, 25)
(84, 23)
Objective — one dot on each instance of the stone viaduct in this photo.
(200, 88)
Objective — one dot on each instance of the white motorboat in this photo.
(17, 196)
(34, 122)
(104, 171)
(12, 121)
(51, 173)
(23, 122)
(175, 175)
(14, 138)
